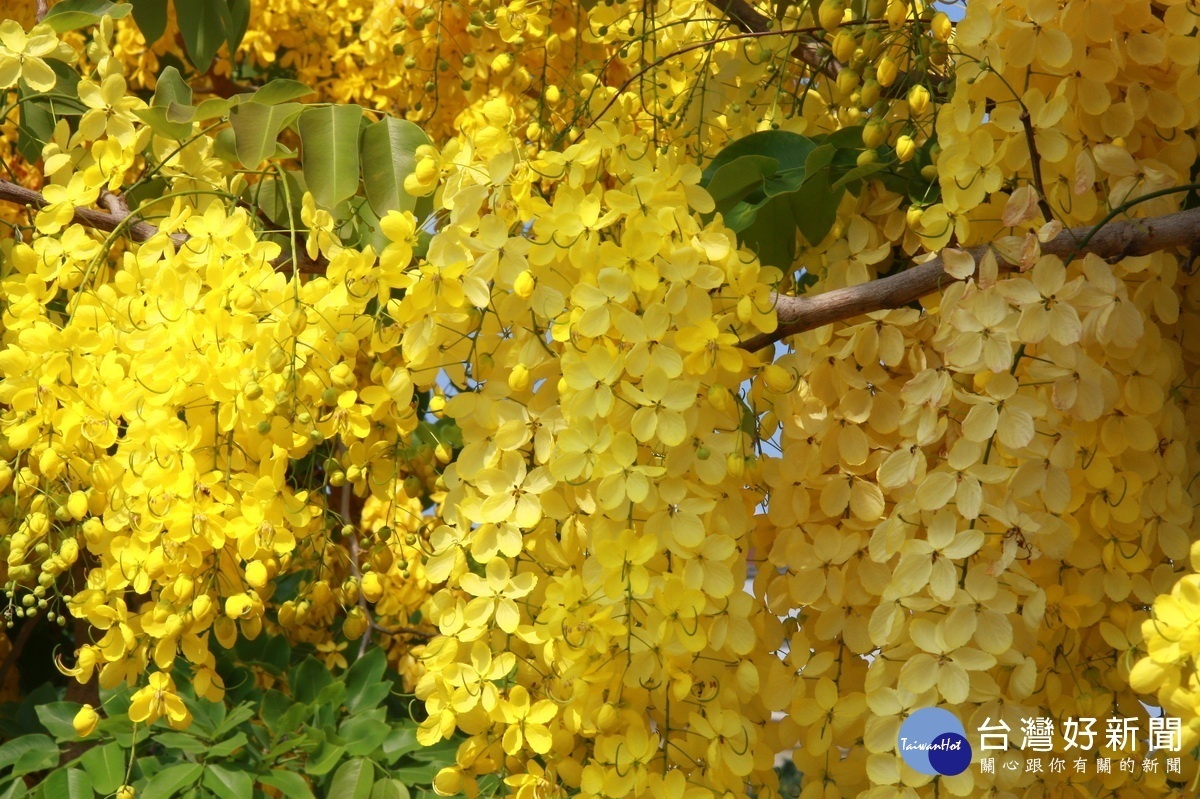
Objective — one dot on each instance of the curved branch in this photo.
(1130, 237)
(749, 19)
(140, 230)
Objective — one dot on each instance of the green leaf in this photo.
(291, 784)
(389, 149)
(172, 780)
(814, 207)
(122, 730)
(151, 18)
(69, 15)
(243, 712)
(257, 126)
(212, 107)
(308, 678)
(280, 90)
(819, 158)
(228, 746)
(789, 149)
(277, 653)
(274, 703)
(773, 235)
(353, 780)
(400, 741)
(37, 125)
(159, 120)
(59, 719)
(846, 138)
(71, 783)
(223, 145)
(182, 742)
(364, 733)
(106, 766)
(39, 755)
(788, 180)
(239, 21)
(14, 750)
(366, 670)
(415, 775)
(742, 215)
(14, 790)
(733, 181)
(858, 173)
(171, 88)
(329, 135)
(324, 759)
(228, 783)
(390, 789)
(200, 23)
(116, 701)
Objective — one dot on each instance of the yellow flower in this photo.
(22, 54)
(158, 699)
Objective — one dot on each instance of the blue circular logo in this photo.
(933, 741)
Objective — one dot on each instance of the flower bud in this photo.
(85, 721)
(941, 26)
(524, 285)
(886, 71)
(918, 100)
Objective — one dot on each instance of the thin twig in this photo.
(43, 8)
(1131, 237)
(1035, 161)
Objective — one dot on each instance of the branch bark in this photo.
(139, 230)
(1130, 237)
(749, 19)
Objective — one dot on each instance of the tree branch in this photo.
(43, 8)
(745, 16)
(749, 19)
(139, 230)
(1130, 237)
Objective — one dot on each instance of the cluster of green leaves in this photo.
(771, 184)
(354, 162)
(313, 733)
(204, 24)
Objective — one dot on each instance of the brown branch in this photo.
(749, 19)
(745, 16)
(1130, 237)
(43, 8)
(140, 230)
